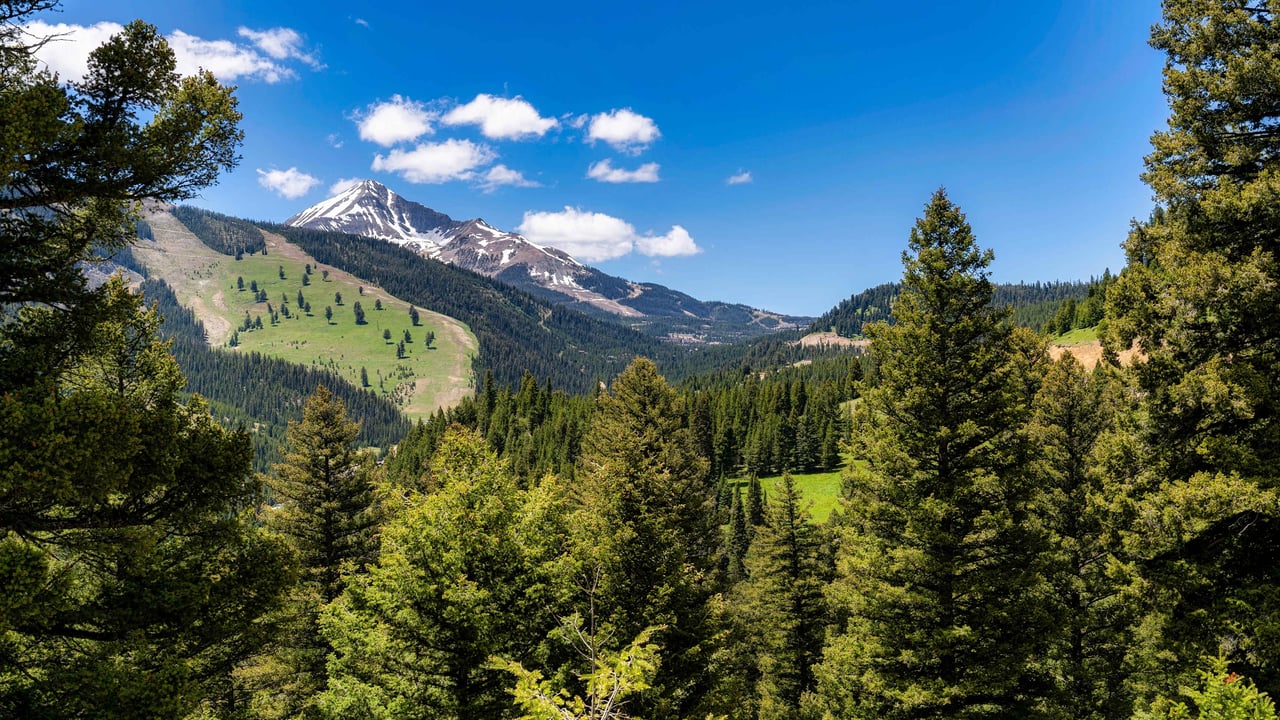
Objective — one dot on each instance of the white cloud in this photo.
(67, 52)
(575, 121)
(501, 118)
(593, 236)
(604, 171)
(397, 120)
(434, 163)
(626, 130)
(334, 140)
(500, 175)
(225, 59)
(291, 183)
(675, 243)
(741, 178)
(280, 43)
(343, 184)
(361, 22)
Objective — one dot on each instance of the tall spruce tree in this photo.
(647, 524)
(1201, 297)
(787, 576)
(324, 509)
(938, 560)
(466, 572)
(1073, 411)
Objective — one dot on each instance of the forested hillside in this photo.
(1034, 305)
(262, 394)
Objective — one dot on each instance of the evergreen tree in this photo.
(1200, 296)
(1072, 411)
(324, 509)
(739, 538)
(328, 314)
(755, 501)
(787, 574)
(939, 561)
(466, 572)
(358, 313)
(132, 581)
(647, 524)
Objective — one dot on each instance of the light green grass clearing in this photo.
(1079, 336)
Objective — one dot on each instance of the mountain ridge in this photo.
(371, 209)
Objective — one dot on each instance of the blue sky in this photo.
(747, 152)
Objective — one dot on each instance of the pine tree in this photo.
(1201, 297)
(464, 574)
(647, 524)
(787, 575)
(739, 538)
(755, 501)
(324, 509)
(1094, 616)
(132, 580)
(939, 561)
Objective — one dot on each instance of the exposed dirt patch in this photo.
(1089, 354)
(830, 339)
(190, 267)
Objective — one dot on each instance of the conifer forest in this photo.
(190, 532)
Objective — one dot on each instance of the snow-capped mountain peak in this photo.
(372, 209)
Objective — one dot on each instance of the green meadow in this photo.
(252, 305)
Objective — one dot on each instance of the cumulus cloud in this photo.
(67, 52)
(626, 130)
(741, 178)
(291, 183)
(593, 236)
(225, 59)
(280, 43)
(501, 118)
(675, 243)
(604, 171)
(500, 175)
(343, 184)
(396, 120)
(434, 163)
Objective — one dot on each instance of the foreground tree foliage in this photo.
(1073, 414)
(645, 522)
(1201, 298)
(465, 572)
(940, 569)
(132, 575)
